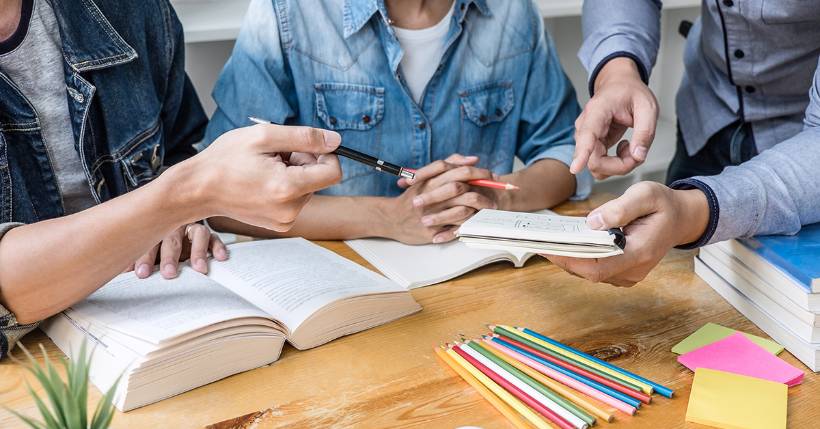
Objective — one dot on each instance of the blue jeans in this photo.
(733, 145)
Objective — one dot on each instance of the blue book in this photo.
(797, 257)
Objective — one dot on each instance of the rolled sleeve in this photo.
(564, 153)
(10, 330)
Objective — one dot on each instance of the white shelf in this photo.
(219, 20)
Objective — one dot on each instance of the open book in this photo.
(539, 233)
(169, 336)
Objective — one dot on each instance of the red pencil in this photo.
(514, 390)
(485, 183)
(580, 371)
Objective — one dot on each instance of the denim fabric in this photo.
(732, 145)
(499, 91)
(775, 192)
(748, 60)
(133, 108)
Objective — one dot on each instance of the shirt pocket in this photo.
(790, 12)
(142, 160)
(355, 112)
(484, 109)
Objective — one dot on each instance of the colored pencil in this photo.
(635, 396)
(661, 389)
(629, 388)
(551, 362)
(496, 401)
(518, 393)
(535, 384)
(486, 183)
(564, 378)
(577, 398)
(646, 388)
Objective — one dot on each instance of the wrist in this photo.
(183, 193)
(617, 70)
(381, 223)
(693, 208)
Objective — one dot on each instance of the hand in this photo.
(621, 101)
(261, 175)
(437, 200)
(192, 241)
(654, 218)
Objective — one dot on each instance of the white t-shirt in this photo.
(423, 50)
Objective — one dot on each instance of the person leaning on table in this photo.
(747, 88)
(94, 104)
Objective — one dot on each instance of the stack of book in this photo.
(775, 282)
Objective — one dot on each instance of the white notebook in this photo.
(169, 336)
(539, 233)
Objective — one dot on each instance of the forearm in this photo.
(323, 218)
(49, 265)
(544, 184)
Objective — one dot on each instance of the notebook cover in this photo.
(796, 255)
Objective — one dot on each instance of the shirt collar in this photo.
(358, 12)
(90, 42)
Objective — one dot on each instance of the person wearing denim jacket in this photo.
(114, 100)
(498, 93)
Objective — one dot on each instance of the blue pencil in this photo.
(662, 390)
(591, 383)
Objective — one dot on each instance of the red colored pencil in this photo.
(485, 183)
(580, 371)
(514, 390)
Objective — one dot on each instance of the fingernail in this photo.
(221, 254)
(332, 139)
(418, 202)
(169, 270)
(595, 221)
(471, 158)
(201, 265)
(427, 220)
(143, 271)
(639, 153)
(438, 239)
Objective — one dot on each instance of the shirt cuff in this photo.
(714, 210)
(10, 330)
(564, 153)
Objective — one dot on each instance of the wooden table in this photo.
(389, 376)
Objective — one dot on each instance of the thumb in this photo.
(283, 138)
(638, 201)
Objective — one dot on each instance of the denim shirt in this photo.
(133, 110)
(499, 91)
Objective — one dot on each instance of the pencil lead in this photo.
(490, 327)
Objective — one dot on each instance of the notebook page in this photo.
(532, 226)
(290, 279)
(155, 309)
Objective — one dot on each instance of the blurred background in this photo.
(211, 26)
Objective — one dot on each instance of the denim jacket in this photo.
(499, 91)
(133, 110)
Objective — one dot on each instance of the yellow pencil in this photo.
(505, 396)
(644, 387)
(579, 400)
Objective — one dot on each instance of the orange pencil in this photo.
(485, 183)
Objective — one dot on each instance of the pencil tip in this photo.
(490, 327)
(512, 187)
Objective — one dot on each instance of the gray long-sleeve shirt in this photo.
(755, 60)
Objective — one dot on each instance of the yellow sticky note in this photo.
(733, 401)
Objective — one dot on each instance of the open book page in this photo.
(416, 266)
(156, 310)
(532, 226)
(290, 279)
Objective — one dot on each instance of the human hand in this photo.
(192, 241)
(261, 175)
(654, 218)
(439, 199)
(621, 101)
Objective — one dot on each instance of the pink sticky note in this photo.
(739, 355)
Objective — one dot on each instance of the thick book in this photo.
(786, 258)
(806, 352)
(539, 233)
(164, 337)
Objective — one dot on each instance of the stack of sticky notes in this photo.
(739, 380)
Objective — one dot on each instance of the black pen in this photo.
(365, 159)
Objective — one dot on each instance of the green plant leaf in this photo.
(105, 408)
(27, 420)
(45, 413)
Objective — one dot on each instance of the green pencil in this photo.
(549, 393)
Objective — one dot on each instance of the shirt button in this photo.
(728, 3)
(421, 125)
(333, 120)
(739, 54)
(498, 112)
(750, 89)
(462, 6)
(78, 97)
(366, 119)
(482, 118)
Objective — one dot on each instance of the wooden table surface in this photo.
(390, 377)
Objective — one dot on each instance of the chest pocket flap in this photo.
(343, 106)
(488, 103)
